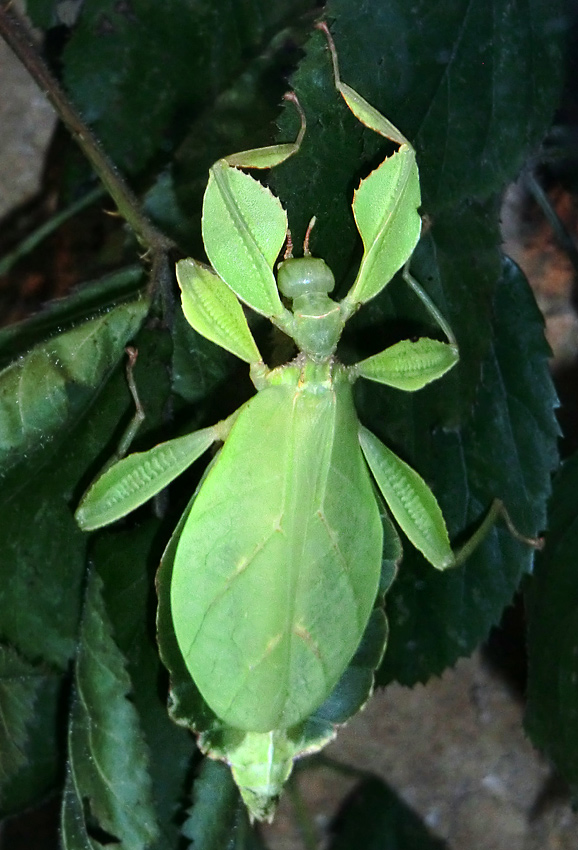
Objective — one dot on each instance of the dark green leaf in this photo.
(199, 365)
(41, 392)
(109, 765)
(375, 818)
(117, 70)
(51, 562)
(242, 117)
(552, 609)
(48, 566)
(218, 819)
(126, 562)
(43, 13)
(87, 300)
(19, 685)
(27, 698)
(506, 450)
(41, 771)
(473, 84)
(40, 493)
(458, 263)
(45, 566)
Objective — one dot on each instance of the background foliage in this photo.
(168, 88)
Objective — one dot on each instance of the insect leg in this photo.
(428, 304)
(139, 414)
(496, 511)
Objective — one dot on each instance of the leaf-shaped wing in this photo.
(273, 583)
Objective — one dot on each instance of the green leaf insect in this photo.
(277, 562)
(277, 567)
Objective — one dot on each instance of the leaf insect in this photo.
(277, 565)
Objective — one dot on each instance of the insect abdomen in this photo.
(275, 574)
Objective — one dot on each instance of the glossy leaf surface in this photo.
(37, 390)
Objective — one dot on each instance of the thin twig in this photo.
(565, 239)
(35, 238)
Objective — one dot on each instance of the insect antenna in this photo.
(310, 226)
(288, 255)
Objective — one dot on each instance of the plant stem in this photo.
(33, 239)
(18, 37)
(564, 238)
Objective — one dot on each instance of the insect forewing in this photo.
(244, 227)
(410, 500)
(214, 311)
(277, 568)
(138, 477)
(409, 365)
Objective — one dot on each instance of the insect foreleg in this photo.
(272, 155)
(362, 110)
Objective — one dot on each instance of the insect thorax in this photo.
(318, 320)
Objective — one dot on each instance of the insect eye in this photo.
(303, 275)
